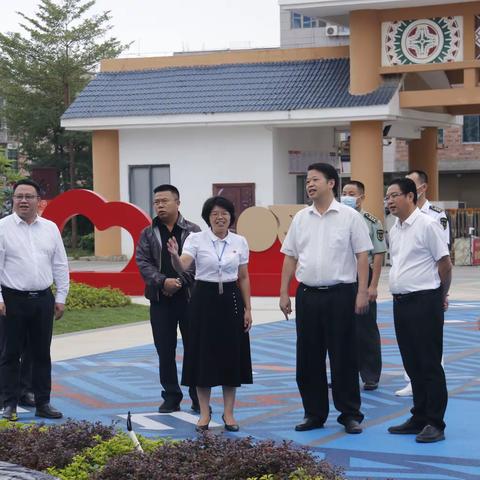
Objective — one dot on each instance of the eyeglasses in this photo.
(28, 197)
(220, 214)
(393, 196)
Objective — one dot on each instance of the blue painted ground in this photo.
(105, 386)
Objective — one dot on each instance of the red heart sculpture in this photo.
(103, 215)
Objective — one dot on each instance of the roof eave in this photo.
(324, 116)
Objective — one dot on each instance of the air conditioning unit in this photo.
(331, 30)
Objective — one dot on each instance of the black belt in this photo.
(25, 293)
(327, 288)
(401, 296)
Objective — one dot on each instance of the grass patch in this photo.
(76, 321)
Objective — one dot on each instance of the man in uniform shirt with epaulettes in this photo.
(421, 182)
(368, 335)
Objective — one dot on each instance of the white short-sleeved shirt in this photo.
(206, 249)
(440, 216)
(416, 245)
(325, 244)
(32, 256)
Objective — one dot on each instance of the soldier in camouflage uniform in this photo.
(368, 335)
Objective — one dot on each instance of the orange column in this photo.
(366, 156)
(106, 182)
(422, 155)
(365, 51)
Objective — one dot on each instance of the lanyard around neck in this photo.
(216, 252)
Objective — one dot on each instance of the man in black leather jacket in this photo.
(168, 291)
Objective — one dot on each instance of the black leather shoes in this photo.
(352, 426)
(168, 407)
(370, 385)
(406, 428)
(47, 411)
(10, 413)
(27, 400)
(430, 434)
(232, 427)
(309, 423)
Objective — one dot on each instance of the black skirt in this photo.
(218, 352)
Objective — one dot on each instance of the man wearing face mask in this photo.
(420, 179)
(421, 182)
(368, 336)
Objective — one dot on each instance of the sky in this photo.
(160, 27)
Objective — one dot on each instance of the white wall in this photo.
(199, 157)
(307, 139)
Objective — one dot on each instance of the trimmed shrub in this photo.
(92, 451)
(93, 459)
(216, 457)
(81, 297)
(39, 446)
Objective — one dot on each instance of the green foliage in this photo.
(95, 458)
(81, 296)
(42, 70)
(87, 242)
(8, 176)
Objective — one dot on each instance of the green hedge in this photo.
(92, 460)
(81, 297)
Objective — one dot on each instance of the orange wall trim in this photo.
(221, 58)
(429, 11)
(440, 98)
(430, 67)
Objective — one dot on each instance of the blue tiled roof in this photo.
(260, 87)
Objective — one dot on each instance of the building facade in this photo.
(247, 123)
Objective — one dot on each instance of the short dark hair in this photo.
(167, 188)
(406, 186)
(28, 181)
(358, 184)
(421, 175)
(221, 202)
(329, 172)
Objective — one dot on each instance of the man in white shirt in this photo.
(326, 247)
(419, 281)
(420, 179)
(32, 257)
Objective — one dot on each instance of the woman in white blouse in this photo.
(218, 352)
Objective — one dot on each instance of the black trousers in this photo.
(25, 366)
(32, 319)
(325, 322)
(165, 317)
(369, 343)
(419, 322)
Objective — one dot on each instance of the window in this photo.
(296, 20)
(142, 180)
(303, 21)
(471, 129)
(440, 137)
